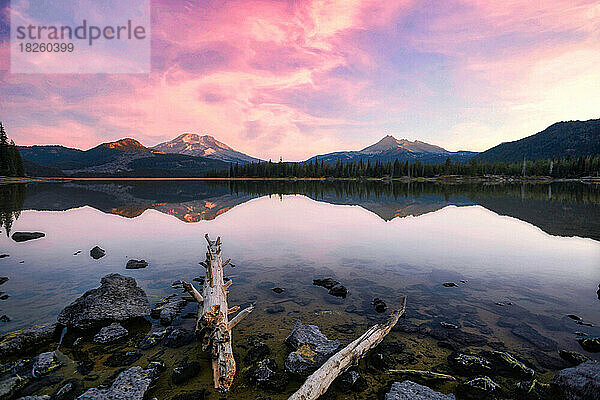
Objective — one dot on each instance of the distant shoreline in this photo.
(454, 179)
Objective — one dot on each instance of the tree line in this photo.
(565, 167)
(11, 163)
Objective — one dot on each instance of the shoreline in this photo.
(449, 179)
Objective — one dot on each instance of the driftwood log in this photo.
(320, 380)
(213, 326)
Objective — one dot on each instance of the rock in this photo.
(184, 372)
(44, 363)
(97, 253)
(4, 318)
(448, 325)
(584, 323)
(327, 283)
(346, 329)
(152, 339)
(379, 305)
(455, 335)
(39, 384)
(266, 375)
(534, 390)
(25, 236)
(339, 291)
(193, 395)
(449, 284)
(4, 255)
(579, 383)
(40, 397)
(503, 363)
(136, 264)
(312, 348)
(131, 384)
(20, 341)
(3, 279)
(531, 335)
(122, 358)
(468, 364)
(482, 387)
(9, 387)
(409, 390)
(110, 334)
(178, 337)
(598, 292)
(119, 298)
(591, 344)
(167, 309)
(69, 390)
(573, 357)
(278, 290)
(4, 297)
(258, 351)
(574, 317)
(275, 309)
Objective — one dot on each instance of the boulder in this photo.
(110, 334)
(339, 291)
(118, 298)
(25, 236)
(97, 253)
(136, 264)
(572, 357)
(20, 341)
(591, 344)
(167, 309)
(409, 390)
(579, 383)
(131, 384)
(379, 305)
(311, 348)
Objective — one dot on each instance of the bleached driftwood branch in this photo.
(320, 380)
(213, 325)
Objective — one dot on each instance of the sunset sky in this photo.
(298, 78)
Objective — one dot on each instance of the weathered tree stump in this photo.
(320, 380)
(213, 326)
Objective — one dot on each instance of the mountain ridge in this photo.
(193, 144)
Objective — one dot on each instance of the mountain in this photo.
(390, 149)
(193, 144)
(126, 157)
(562, 139)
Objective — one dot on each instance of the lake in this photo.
(518, 254)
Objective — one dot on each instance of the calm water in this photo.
(535, 246)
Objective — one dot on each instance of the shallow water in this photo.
(533, 246)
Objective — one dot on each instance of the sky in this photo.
(295, 78)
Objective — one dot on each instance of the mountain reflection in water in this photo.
(562, 209)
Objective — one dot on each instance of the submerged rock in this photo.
(20, 341)
(110, 334)
(409, 390)
(44, 363)
(185, 371)
(122, 358)
(327, 283)
(131, 384)
(97, 253)
(69, 390)
(469, 364)
(178, 337)
(531, 335)
(503, 363)
(191, 395)
(579, 383)
(339, 291)
(9, 387)
(25, 236)
(267, 376)
(3, 279)
(350, 381)
(379, 305)
(534, 390)
(482, 387)
(449, 284)
(278, 290)
(275, 309)
(4, 318)
(152, 339)
(258, 351)
(311, 348)
(573, 357)
(136, 264)
(119, 298)
(591, 344)
(448, 325)
(167, 309)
